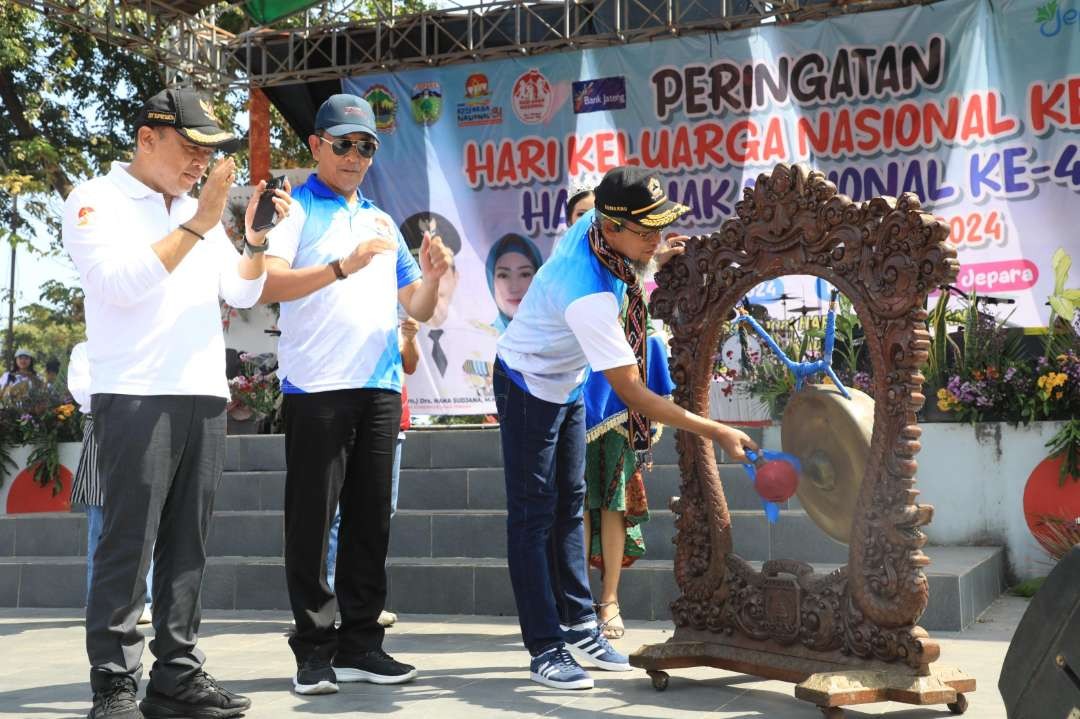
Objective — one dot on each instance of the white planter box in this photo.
(974, 476)
(737, 408)
(19, 489)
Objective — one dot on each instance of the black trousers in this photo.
(159, 460)
(339, 449)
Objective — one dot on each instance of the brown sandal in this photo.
(611, 631)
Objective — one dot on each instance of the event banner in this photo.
(970, 104)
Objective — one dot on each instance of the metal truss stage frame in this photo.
(185, 37)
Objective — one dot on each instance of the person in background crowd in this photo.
(616, 504)
(341, 376)
(410, 358)
(52, 371)
(23, 371)
(86, 488)
(579, 200)
(569, 322)
(511, 264)
(153, 262)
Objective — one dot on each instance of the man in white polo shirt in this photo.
(153, 261)
(567, 325)
(339, 267)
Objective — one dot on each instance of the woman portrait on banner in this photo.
(511, 264)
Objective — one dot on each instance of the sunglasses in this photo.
(643, 234)
(364, 148)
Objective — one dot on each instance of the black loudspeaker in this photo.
(1040, 678)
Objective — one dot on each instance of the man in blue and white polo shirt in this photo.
(340, 267)
(567, 324)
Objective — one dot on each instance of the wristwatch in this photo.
(339, 273)
(251, 249)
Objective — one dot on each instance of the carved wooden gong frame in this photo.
(785, 621)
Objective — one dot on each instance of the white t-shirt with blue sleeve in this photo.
(345, 335)
(568, 322)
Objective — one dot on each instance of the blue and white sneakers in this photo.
(587, 643)
(556, 668)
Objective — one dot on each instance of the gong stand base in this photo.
(820, 681)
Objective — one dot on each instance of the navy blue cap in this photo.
(342, 114)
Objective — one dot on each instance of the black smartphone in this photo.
(264, 211)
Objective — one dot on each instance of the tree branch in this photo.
(13, 103)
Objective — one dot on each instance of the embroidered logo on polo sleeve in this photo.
(85, 217)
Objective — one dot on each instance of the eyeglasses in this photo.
(365, 148)
(646, 234)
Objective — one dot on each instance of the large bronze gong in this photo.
(850, 636)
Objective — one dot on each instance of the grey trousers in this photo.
(159, 462)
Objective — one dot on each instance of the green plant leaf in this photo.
(1062, 307)
(1062, 263)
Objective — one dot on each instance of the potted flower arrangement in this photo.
(762, 375)
(256, 392)
(41, 417)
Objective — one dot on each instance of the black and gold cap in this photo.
(635, 194)
(192, 116)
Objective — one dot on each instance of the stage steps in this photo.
(448, 541)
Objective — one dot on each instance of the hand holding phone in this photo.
(264, 211)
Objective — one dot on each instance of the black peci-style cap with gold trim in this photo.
(635, 194)
(192, 116)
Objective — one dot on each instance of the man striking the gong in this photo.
(568, 324)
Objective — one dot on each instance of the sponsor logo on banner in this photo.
(1052, 20)
(384, 104)
(477, 108)
(604, 93)
(532, 97)
(426, 102)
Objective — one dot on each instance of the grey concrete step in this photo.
(482, 533)
(464, 488)
(429, 533)
(251, 490)
(248, 533)
(963, 583)
(425, 448)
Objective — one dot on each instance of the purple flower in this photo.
(1009, 374)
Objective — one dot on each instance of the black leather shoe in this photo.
(199, 698)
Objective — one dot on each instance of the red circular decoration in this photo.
(27, 496)
(777, 480)
(1045, 498)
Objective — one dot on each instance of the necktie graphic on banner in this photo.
(973, 107)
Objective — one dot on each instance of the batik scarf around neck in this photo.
(639, 429)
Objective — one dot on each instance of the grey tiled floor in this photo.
(470, 667)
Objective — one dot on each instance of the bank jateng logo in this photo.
(1052, 19)
(426, 102)
(605, 93)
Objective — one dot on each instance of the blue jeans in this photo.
(94, 518)
(543, 448)
(331, 552)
